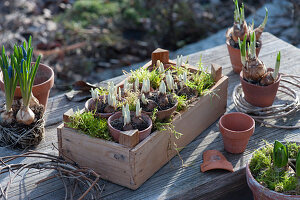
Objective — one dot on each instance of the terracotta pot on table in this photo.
(236, 129)
(235, 55)
(88, 104)
(260, 96)
(115, 133)
(43, 82)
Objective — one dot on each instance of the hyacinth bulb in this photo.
(239, 31)
(25, 115)
(254, 70)
(7, 117)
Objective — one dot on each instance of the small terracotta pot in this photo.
(164, 114)
(262, 193)
(235, 56)
(90, 102)
(43, 82)
(115, 133)
(236, 129)
(260, 96)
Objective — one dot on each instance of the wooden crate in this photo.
(131, 167)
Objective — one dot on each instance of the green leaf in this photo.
(280, 154)
(277, 65)
(298, 164)
(263, 24)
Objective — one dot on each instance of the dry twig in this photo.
(79, 177)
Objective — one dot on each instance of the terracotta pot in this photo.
(262, 193)
(260, 96)
(43, 82)
(236, 129)
(164, 114)
(115, 133)
(214, 159)
(235, 56)
(90, 102)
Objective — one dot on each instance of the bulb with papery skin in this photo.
(254, 70)
(25, 115)
(239, 31)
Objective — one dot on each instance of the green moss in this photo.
(90, 125)
(182, 102)
(277, 179)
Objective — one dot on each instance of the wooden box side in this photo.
(111, 160)
(151, 154)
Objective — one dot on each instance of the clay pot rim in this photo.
(237, 113)
(48, 81)
(259, 86)
(86, 105)
(120, 113)
(248, 172)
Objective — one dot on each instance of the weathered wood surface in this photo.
(173, 181)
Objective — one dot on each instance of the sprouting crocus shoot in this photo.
(144, 100)
(280, 154)
(146, 86)
(10, 83)
(179, 61)
(126, 86)
(136, 84)
(26, 73)
(277, 65)
(95, 94)
(138, 109)
(119, 94)
(162, 88)
(298, 164)
(170, 81)
(126, 114)
(161, 68)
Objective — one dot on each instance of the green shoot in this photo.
(182, 102)
(243, 49)
(263, 24)
(252, 47)
(26, 72)
(9, 78)
(277, 65)
(280, 154)
(298, 164)
(239, 13)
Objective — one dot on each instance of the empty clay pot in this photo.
(115, 133)
(164, 114)
(43, 82)
(262, 193)
(260, 96)
(236, 129)
(213, 159)
(235, 55)
(91, 102)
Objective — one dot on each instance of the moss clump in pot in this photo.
(277, 167)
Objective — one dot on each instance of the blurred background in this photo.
(94, 40)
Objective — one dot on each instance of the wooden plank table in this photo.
(173, 181)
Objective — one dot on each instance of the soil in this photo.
(101, 107)
(187, 91)
(119, 123)
(154, 97)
